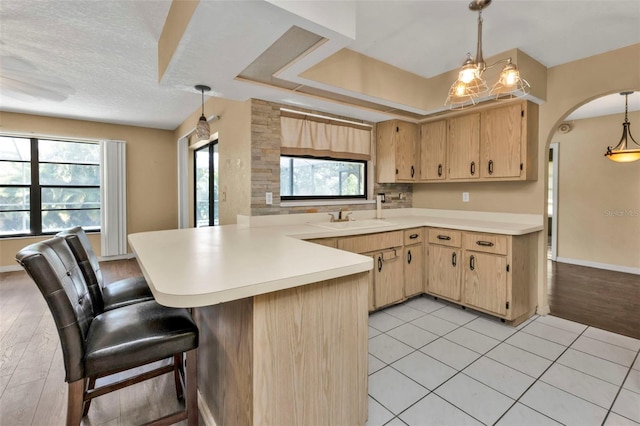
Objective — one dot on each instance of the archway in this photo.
(598, 212)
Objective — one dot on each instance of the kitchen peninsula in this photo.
(283, 322)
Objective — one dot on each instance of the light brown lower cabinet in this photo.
(500, 274)
(387, 280)
(414, 261)
(492, 273)
(485, 282)
(444, 271)
(388, 277)
(443, 263)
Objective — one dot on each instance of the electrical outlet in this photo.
(465, 197)
(269, 198)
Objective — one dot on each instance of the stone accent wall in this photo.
(265, 166)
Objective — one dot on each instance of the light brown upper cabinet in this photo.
(463, 147)
(433, 150)
(501, 137)
(494, 142)
(397, 152)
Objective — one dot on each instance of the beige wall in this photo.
(599, 200)
(151, 171)
(507, 197)
(234, 149)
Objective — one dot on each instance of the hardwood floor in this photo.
(604, 299)
(32, 386)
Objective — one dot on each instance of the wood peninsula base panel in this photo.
(291, 357)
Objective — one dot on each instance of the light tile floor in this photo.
(433, 363)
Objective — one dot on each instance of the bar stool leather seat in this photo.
(98, 344)
(105, 296)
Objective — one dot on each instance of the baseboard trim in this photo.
(607, 266)
(205, 413)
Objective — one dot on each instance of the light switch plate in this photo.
(269, 198)
(465, 197)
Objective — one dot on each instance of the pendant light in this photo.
(203, 132)
(470, 85)
(622, 153)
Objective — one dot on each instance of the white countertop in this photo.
(204, 266)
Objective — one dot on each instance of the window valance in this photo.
(318, 137)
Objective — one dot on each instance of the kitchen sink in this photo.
(353, 224)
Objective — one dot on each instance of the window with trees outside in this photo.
(303, 178)
(48, 185)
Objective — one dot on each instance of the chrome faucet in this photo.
(343, 216)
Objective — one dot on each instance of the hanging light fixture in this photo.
(622, 153)
(470, 85)
(203, 132)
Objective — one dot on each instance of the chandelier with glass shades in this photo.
(470, 86)
(622, 153)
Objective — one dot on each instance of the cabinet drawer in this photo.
(445, 237)
(371, 242)
(487, 243)
(413, 236)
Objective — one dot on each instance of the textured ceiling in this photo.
(97, 60)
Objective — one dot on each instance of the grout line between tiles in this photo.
(517, 400)
(620, 389)
(429, 390)
(457, 371)
(588, 374)
(599, 357)
(538, 379)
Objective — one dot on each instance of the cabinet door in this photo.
(485, 281)
(433, 150)
(463, 152)
(413, 270)
(372, 296)
(388, 280)
(443, 271)
(406, 151)
(501, 141)
(386, 151)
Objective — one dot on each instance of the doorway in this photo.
(206, 185)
